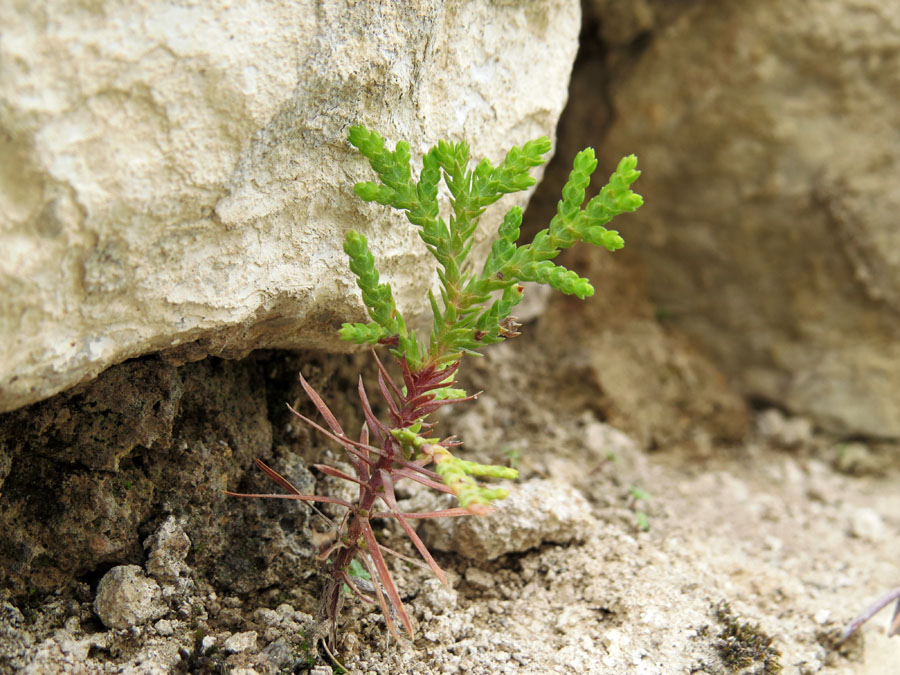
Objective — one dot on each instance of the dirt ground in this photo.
(698, 558)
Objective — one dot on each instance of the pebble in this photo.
(788, 432)
(126, 598)
(169, 547)
(164, 627)
(480, 578)
(241, 642)
(535, 512)
(267, 617)
(868, 524)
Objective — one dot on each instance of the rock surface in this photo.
(178, 177)
(767, 135)
(127, 598)
(535, 512)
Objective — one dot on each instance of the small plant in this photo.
(638, 498)
(474, 310)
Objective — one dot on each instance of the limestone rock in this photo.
(767, 136)
(535, 512)
(178, 178)
(126, 598)
(169, 547)
(241, 642)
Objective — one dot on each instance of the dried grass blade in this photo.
(445, 513)
(378, 428)
(391, 499)
(381, 573)
(411, 561)
(331, 471)
(424, 480)
(393, 409)
(387, 376)
(871, 610)
(321, 407)
(302, 498)
(894, 628)
(348, 444)
(275, 476)
(347, 579)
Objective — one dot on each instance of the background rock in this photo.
(178, 177)
(767, 136)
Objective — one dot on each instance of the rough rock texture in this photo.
(647, 378)
(169, 547)
(177, 177)
(126, 598)
(93, 473)
(535, 512)
(768, 137)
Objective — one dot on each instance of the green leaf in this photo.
(467, 317)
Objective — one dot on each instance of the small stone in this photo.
(535, 512)
(437, 597)
(285, 610)
(207, 643)
(126, 598)
(241, 642)
(789, 432)
(321, 670)
(822, 616)
(480, 578)
(857, 459)
(164, 627)
(267, 617)
(169, 547)
(867, 524)
(278, 654)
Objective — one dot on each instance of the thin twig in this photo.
(872, 610)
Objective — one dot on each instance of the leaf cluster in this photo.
(474, 305)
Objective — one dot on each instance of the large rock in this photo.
(177, 177)
(767, 132)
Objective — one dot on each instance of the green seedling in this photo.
(637, 496)
(513, 455)
(473, 309)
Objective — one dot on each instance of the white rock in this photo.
(535, 512)
(126, 598)
(164, 627)
(867, 523)
(241, 642)
(169, 547)
(179, 176)
(478, 577)
(437, 597)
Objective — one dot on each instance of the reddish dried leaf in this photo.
(391, 500)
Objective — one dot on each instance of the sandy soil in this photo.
(691, 559)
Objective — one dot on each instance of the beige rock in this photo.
(177, 177)
(535, 512)
(126, 598)
(767, 136)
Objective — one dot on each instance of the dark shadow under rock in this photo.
(93, 471)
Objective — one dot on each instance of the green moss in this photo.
(742, 645)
